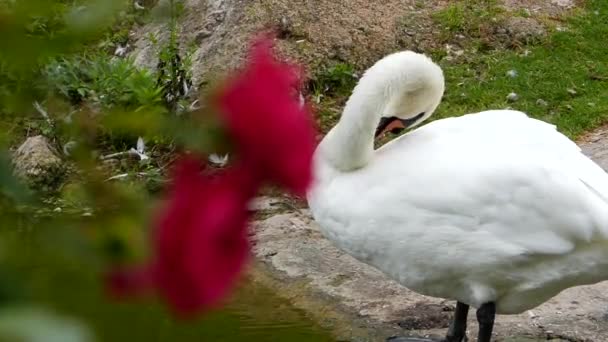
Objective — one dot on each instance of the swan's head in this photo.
(413, 89)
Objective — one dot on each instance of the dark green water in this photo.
(64, 283)
(255, 314)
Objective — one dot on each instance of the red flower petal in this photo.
(202, 237)
(200, 244)
(272, 131)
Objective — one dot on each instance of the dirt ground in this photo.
(314, 33)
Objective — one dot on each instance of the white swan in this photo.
(495, 210)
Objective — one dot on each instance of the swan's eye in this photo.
(411, 121)
(397, 130)
(396, 125)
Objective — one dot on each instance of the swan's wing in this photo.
(513, 182)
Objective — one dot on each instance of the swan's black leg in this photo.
(485, 317)
(458, 328)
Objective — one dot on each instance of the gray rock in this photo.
(264, 203)
(563, 3)
(38, 164)
(525, 30)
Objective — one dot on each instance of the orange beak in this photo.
(391, 124)
(396, 125)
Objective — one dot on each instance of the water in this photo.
(64, 283)
(255, 314)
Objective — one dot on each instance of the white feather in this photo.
(216, 159)
(141, 145)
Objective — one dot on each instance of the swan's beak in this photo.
(392, 124)
(395, 125)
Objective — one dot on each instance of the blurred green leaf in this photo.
(25, 43)
(11, 186)
(32, 324)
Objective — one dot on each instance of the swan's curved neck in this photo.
(350, 144)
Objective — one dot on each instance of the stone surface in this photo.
(359, 302)
(37, 162)
(550, 7)
(264, 203)
(594, 144)
(563, 3)
(525, 30)
(357, 31)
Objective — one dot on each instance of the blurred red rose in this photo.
(200, 244)
(272, 130)
(200, 236)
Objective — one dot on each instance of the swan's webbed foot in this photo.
(485, 317)
(458, 328)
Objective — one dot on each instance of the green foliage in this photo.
(103, 80)
(39, 325)
(11, 189)
(338, 79)
(35, 31)
(118, 35)
(174, 75)
(58, 78)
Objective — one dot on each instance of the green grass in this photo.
(575, 59)
(336, 80)
(469, 17)
(331, 87)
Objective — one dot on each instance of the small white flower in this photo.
(512, 73)
(141, 145)
(140, 149)
(120, 51)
